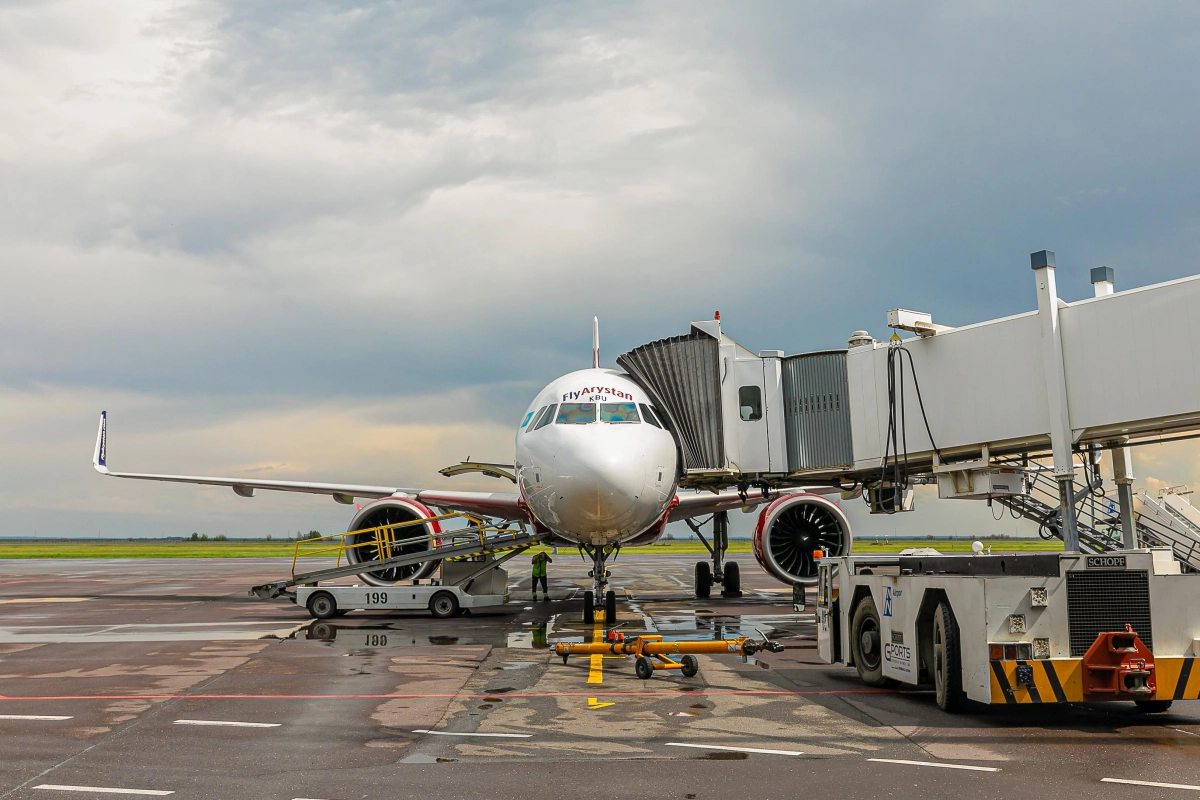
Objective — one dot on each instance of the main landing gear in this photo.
(599, 590)
(729, 576)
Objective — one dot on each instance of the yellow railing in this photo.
(386, 540)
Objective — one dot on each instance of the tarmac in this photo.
(163, 678)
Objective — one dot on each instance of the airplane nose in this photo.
(604, 495)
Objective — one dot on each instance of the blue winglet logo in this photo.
(102, 445)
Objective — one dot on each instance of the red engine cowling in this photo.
(791, 528)
(388, 511)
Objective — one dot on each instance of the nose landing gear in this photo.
(729, 576)
(599, 590)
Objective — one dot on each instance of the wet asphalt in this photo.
(164, 676)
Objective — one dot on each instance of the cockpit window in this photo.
(576, 413)
(530, 416)
(648, 414)
(545, 418)
(619, 412)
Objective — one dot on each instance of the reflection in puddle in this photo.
(673, 625)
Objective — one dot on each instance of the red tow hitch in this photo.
(1118, 666)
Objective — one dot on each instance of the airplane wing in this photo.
(699, 503)
(497, 504)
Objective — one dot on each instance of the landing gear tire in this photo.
(732, 587)
(703, 579)
(691, 665)
(866, 643)
(947, 661)
(322, 605)
(1152, 706)
(443, 605)
(610, 608)
(644, 668)
(589, 608)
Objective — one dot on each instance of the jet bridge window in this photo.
(619, 412)
(750, 400)
(576, 413)
(547, 415)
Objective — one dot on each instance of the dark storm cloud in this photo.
(217, 208)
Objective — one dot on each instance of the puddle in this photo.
(725, 756)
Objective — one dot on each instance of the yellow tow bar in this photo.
(653, 653)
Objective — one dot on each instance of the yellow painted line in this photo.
(594, 704)
(596, 665)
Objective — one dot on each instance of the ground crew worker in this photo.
(539, 573)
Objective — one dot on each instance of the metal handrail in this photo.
(382, 538)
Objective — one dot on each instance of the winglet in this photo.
(100, 455)
(595, 342)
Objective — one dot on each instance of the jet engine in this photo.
(791, 528)
(389, 511)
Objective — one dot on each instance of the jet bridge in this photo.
(974, 408)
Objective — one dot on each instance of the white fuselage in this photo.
(591, 466)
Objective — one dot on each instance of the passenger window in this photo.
(750, 399)
(619, 412)
(545, 418)
(649, 415)
(576, 413)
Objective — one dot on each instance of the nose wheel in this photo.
(599, 590)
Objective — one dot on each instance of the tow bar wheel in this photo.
(644, 668)
(947, 661)
(691, 665)
(443, 605)
(322, 605)
(866, 643)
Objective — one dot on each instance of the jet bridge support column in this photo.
(1102, 286)
(1042, 263)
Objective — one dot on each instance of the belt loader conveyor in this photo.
(1024, 628)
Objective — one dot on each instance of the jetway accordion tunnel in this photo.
(949, 405)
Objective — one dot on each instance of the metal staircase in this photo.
(1098, 515)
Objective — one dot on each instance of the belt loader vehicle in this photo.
(1016, 628)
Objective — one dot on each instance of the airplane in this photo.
(597, 467)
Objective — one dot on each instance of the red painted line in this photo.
(398, 696)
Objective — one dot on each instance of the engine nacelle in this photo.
(791, 528)
(389, 511)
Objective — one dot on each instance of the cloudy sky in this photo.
(350, 242)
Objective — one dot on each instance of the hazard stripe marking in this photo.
(1184, 673)
(1052, 676)
(1002, 681)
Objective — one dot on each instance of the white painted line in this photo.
(102, 790)
(490, 735)
(737, 749)
(934, 764)
(227, 723)
(1152, 783)
(1189, 733)
(16, 600)
(47, 717)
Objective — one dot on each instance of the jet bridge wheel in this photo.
(1152, 706)
(947, 660)
(866, 643)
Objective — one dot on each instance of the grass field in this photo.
(263, 549)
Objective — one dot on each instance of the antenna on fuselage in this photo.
(595, 343)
